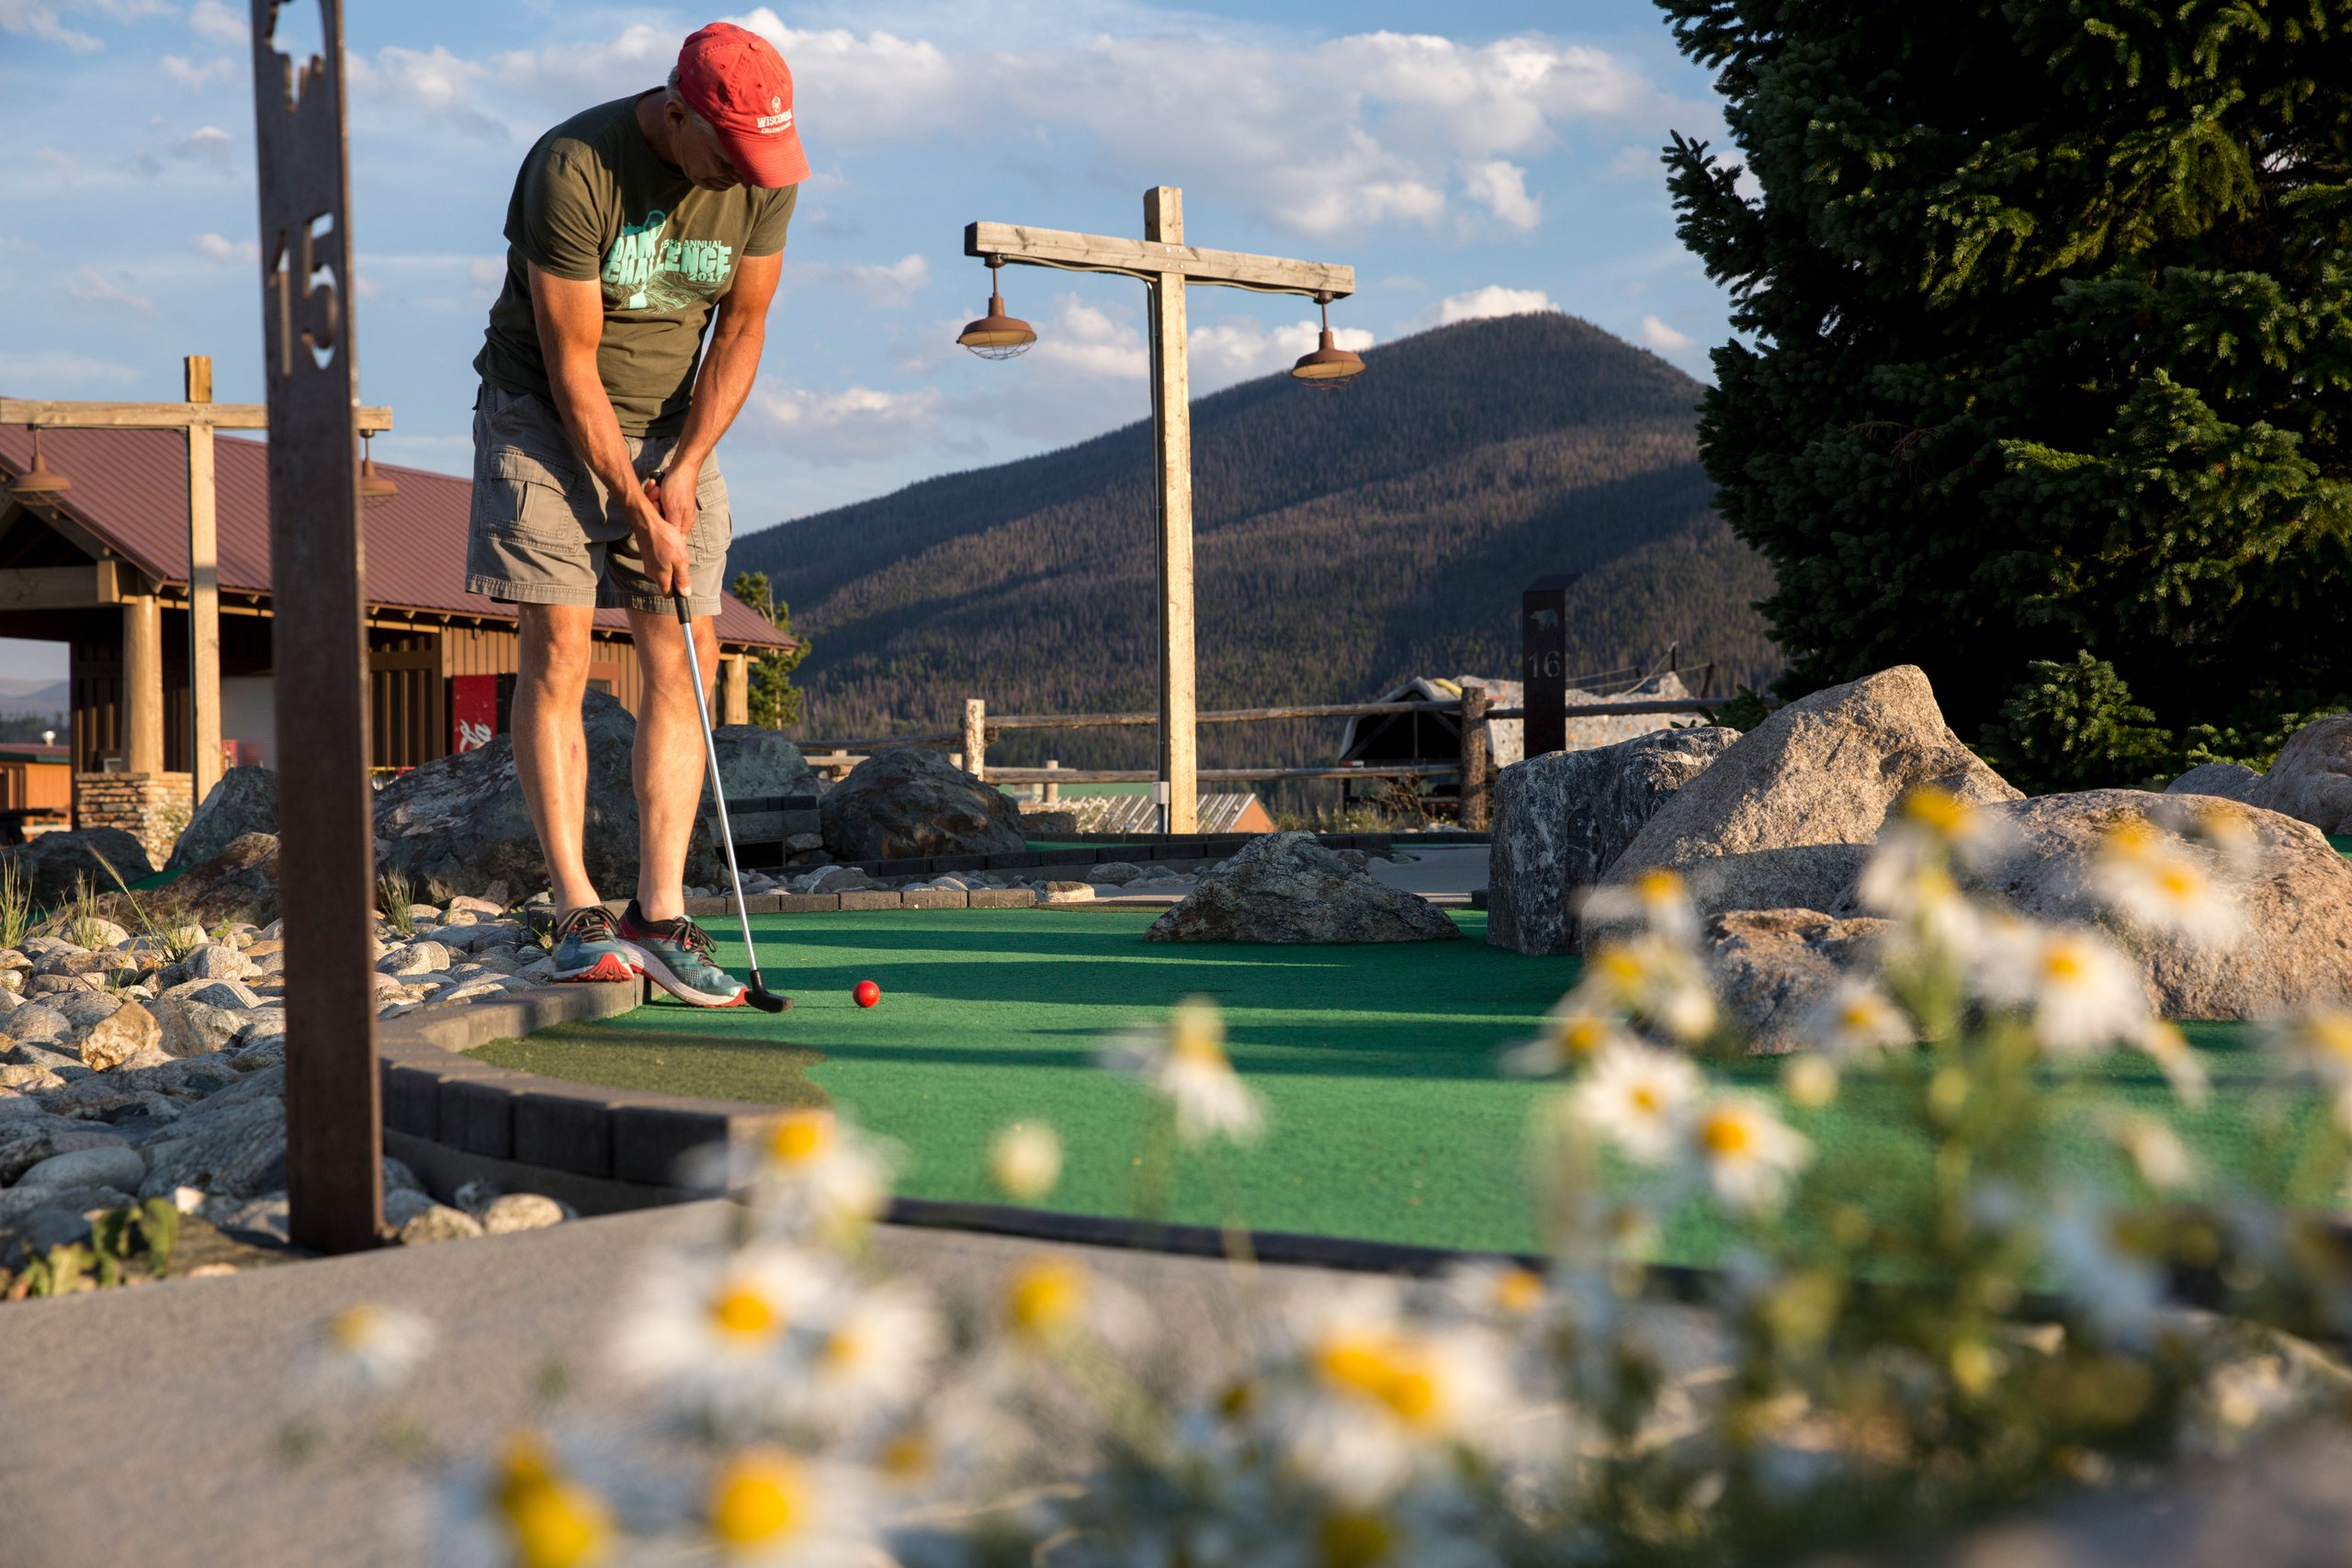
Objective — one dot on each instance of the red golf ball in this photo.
(867, 993)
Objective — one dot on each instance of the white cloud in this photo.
(205, 144)
(434, 81)
(1085, 338)
(94, 288)
(188, 74)
(214, 20)
(28, 19)
(831, 429)
(488, 273)
(220, 248)
(1240, 348)
(1501, 186)
(1479, 303)
(1655, 334)
(893, 284)
(42, 369)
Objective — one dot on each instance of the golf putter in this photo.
(759, 995)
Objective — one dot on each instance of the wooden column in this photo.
(142, 684)
(735, 690)
(1051, 792)
(975, 737)
(203, 595)
(1477, 800)
(1171, 419)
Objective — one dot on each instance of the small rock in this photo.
(1069, 893)
(216, 961)
(225, 994)
(475, 1196)
(422, 957)
(28, 1079)
(521, 1212)
(402, 1204)
(37, 1024)
(2231, 781)
(438, 1222)
(1117, 872)
(2311, 779)
(270, 1214)
(126, 1033)
(101, 1165)
(267, 1051)
(194, 1028)
(1285, 887)
(399, 1177)
(38, 1230)
(231, 1146)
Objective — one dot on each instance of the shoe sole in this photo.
(609, 968)
(661, 974)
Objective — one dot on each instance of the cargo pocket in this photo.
(535, 499)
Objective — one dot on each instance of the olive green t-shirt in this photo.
(593, 202)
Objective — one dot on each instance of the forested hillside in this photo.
(1344, 540)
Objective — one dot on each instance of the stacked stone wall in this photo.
(150, 807)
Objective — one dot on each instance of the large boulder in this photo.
(901, 803)
(1774, 968)
(457, 825)
(55, 864)
(2296, 946)
(754, 764)
(1562, 820)
(2228, 781)
(1786, 817)
(1285, 887)
(2312, 779)
(244, 801)
(238, 883)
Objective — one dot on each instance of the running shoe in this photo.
(676, 955)
(588, 948)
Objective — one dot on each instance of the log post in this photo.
(975, 737)
(736, 689)
(203, 595)
(1476, 798)
(142, 684)
(1051, 792)
(1171, 418)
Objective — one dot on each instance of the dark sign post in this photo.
(1544, 662)
(326, 852)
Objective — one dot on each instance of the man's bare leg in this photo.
(550, 748)
(669, 761)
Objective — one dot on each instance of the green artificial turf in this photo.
(1388, 1119)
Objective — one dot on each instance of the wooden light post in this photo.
(1166, 263)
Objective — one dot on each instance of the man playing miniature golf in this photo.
(634, 226)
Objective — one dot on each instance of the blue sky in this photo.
(1466, 158)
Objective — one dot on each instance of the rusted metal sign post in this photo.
(1544, 662)
(1166, 263)
(326, 850)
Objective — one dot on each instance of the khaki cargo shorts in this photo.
(545, 531)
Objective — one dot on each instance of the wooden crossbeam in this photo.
(1107, 253)
(68, 415)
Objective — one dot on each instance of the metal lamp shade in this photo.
(997, 335)
(40, 482)
(1329, 367)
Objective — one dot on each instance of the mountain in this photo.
(1342, 540)
(44, 698)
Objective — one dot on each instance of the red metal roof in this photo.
(130, 490)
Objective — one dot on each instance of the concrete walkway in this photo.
(1435, 870)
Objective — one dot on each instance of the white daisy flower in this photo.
(1929, 831)
(526, 1508)
(1572, 1035)
(369, 1346)
(2163, 1040)
(868, 1355)
(2109, 1261)
(1185, 1064)
(2162, 1161)
(1366, 1399)
(1857, 1018)
(1491, 1290)
(1640, 1099)
(821, 1172)
(1810, 1080)
(1749, 1155)
(1025, 1160)
(2152, 880)
(1657, 899)
(2083, 991)
(714, 1330)
(1660, 980)
(2320, 1043)
(771, 1508)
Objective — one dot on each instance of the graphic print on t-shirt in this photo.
(644, 271)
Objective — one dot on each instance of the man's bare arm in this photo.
(570, 314)
(730, 366)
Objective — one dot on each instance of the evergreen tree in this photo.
(2049, 316)
(775, 700)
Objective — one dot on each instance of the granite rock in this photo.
(2312, 778)
(2230, 781)
(113, 1164)
(55, 864)
(244, 801)
(125, 1033)
(1285, 887)
(901, 803)
(1772, 968)
(1563, 819)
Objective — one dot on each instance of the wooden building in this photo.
(104, 567)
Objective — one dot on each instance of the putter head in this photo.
(766, 1000)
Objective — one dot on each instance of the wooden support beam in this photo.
(142, 684)
(1166, 257)
(1172, 421)
(1473, 791)
(975, 737)
(57, 587)
(203, 594)
(737, 689)
(51, 415)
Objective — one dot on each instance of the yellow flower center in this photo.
(1519, 1291)
(907, 1457)
(1645, 1098)
(1858, 1016)
(355, 1327)
(1583, 1034)
(1726, 1135)
(1620, 964)
(1658, 886)
(1046, 1298)
(2131, 840)
(759, 1500)
(1938, 810)
(1194, 1050)
(743, 1313)
(1353, 1540)
(2063, 964)
(2331, 1034)
(800, 1136)
(2179, 881)
(1389, 1375)
(552, 1523)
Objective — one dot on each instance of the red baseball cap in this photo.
(736, 80)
